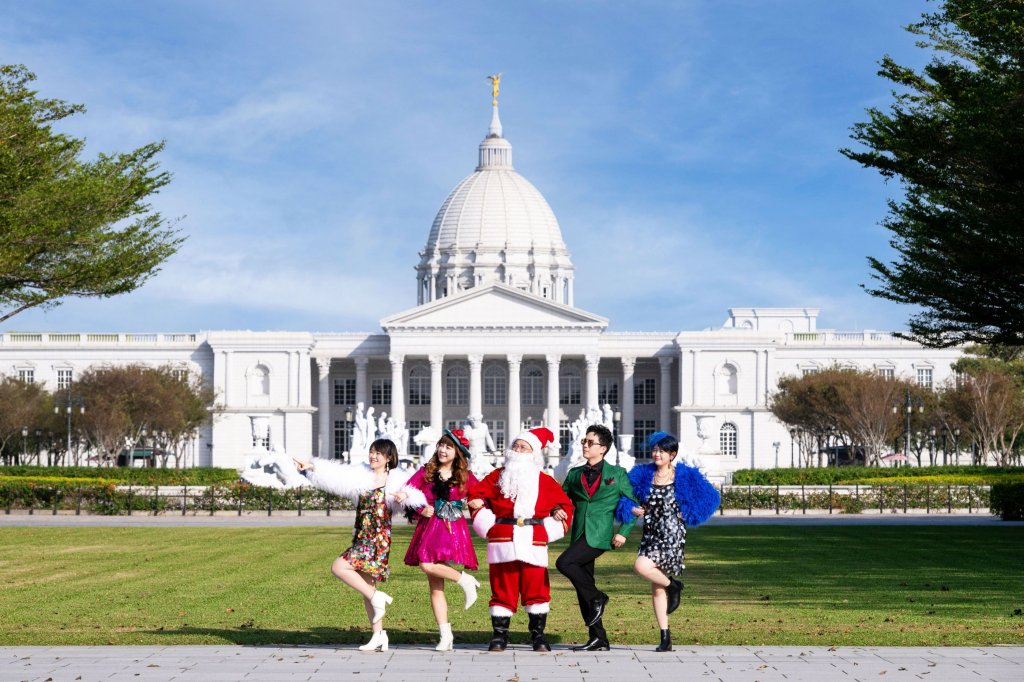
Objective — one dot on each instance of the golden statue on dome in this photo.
(495, 87)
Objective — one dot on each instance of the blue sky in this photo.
(688, 148)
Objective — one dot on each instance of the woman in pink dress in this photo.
(442, 535)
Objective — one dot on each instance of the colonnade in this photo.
(514, 364)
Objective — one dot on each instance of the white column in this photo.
(571, 297)
(514, 400)
(759, 378)
(628, 416)
(397, 391)
(227, 377)
(665, 395)
(293, 377)
(323, 366)
(361, 364)
(436, 396)
(694, 373)
(553, 408)
(767, 376)
(476, 403)
(305, 390)
(592, 362)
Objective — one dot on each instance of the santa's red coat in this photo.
(507, 542)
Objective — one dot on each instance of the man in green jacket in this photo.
(595, 489)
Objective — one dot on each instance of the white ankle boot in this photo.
(447, 638)
(379, 601)
(469, 584)
(379, 642)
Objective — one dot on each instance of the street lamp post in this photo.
(956, 443)
(776, 445)
(71, 404)
(931, 446)
(24, 445)
(792, 442)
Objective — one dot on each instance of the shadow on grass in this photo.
(338, 636)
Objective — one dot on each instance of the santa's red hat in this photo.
(538, 438)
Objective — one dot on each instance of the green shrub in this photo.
(1008, 501)
(865, 475)
(125, 475)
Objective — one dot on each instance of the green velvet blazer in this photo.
(595, 516)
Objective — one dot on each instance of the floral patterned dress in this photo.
(664, 538)
(371, 537)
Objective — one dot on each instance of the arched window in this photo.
(570, 386)
(419, 385)
(727, 380)
(532, 385)
(258, 380)
(495, 386)
(727, 439)
(457, 385)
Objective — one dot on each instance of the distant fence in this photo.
(241, 498)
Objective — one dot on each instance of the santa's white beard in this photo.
(520, 481)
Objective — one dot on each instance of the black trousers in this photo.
(577, 564)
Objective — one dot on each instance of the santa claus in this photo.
(512, 508)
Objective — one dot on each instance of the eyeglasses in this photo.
(587, 443)
(519, 446)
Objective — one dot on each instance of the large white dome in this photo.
(495, 227)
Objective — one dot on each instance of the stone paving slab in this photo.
(518, 664)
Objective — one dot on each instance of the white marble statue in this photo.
(481, 445)
(705, 430)
(574, 456)
(272, 470)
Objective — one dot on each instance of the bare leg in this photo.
(443, 571)
(437, 601)
(361, 583)
(659, 581)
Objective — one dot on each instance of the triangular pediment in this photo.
(495, 306)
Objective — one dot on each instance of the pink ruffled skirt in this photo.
(433, 542)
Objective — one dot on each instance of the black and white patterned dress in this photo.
(664, 538)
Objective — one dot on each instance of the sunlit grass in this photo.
(745, 585)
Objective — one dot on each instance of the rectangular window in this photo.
(419, 388)
(342, 437)
(497, 429)
(179, 374)
(415, 426)
(27, 376)
(64, 379)
(494, 389)
(924, 377)
(888, 373)
(532, 387)
(570, 389)
(807, 371)
(608, 392)
(380, 392)
(642, 430)
(564, 434)
(344, 391)
(644, 392)
(457, 388)
(452, 425)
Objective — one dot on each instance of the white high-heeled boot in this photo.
(447, 642)
(468, 584)
(379, 642)
(379, 601)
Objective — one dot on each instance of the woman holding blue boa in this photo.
(673, 496)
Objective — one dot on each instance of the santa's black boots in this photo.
(537, 623)
(499, 641)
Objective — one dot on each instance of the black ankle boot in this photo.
(666, 641)
(598, 639)
(500, 626)
(537, 623)
(674, 590)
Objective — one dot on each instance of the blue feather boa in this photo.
(696, 498)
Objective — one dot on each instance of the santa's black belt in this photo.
(510, 521)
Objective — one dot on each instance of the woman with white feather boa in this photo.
(373, 487)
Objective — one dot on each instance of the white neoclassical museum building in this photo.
(494, 333)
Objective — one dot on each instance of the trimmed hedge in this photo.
(865, 475)
(130, 475)
(1008, 501)
(885, 497)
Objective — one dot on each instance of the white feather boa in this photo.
(352, 480)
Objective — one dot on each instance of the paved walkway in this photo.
(422, 664)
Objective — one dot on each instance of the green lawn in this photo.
(756, 585)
